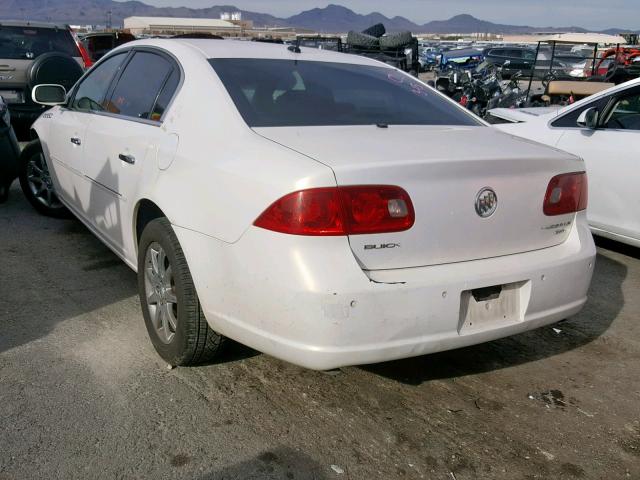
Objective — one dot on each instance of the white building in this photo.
(173, 26)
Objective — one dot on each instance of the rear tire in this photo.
(362, 40)
(396, 40)
(172, 313)
(4, 192)
(36, 183)
(376, 30)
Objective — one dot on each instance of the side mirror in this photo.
(49, 94)
(589, 118)
(431, 83)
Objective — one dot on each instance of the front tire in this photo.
(172, 313)
(4, 192)
(36, 183)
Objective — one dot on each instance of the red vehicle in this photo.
(619, 56)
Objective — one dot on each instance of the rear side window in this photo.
(139, 85)
(513, 53)
(166, 95)
(30, 42)
(282, 93)
(91, 93)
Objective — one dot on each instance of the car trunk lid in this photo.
(444, 170)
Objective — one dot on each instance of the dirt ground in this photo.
(83, 394)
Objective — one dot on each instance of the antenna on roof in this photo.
(294, 49)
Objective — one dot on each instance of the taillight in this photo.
(351, 210)
(567, 193)
(86, 58)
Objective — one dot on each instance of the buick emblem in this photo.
(486, 202)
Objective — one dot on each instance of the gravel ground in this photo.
(83, 394)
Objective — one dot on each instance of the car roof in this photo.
(23, 23)
(211, 48)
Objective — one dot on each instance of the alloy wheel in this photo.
(162, 301)
(39, 181)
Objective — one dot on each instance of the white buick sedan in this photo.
(326, 209)
(604, 129)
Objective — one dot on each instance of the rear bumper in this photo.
(305, 300)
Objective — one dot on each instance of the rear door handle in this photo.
(76, 141)
(127, 158)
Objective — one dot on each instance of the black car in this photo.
(99, 44)
(511, 59)
(9, 152)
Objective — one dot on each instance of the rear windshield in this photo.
(30, 42)
(289, 93)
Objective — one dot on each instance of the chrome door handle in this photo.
(76, 141)
(127, 158)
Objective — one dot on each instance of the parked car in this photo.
(36, 53)
(429, 58)
(604, 129)
(512, 59)
(323, 208)
(100, 43)
(463, 58)
(9, 152)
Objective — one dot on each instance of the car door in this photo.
(124, 141)
(515, 59)
(66, 140)
(612, 156)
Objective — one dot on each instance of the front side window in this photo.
(283, 93)
(625, 114)
(93, 89)
(139, 85)
(25, 43)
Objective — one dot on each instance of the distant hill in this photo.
(95, 11)
(333, 18)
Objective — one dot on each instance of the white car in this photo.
(324, 208)
(604, 130)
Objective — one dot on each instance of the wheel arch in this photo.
(146, 211)
(33, 134)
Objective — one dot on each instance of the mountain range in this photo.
(333, 18)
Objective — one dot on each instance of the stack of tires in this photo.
(375, 40)
(374, 37)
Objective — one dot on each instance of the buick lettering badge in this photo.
(486, 202)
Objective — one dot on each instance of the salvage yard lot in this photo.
(84, 395)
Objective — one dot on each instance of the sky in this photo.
(594, 14)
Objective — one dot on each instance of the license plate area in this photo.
(489, 307)
(12, 96)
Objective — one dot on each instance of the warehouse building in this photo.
(142, 26)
